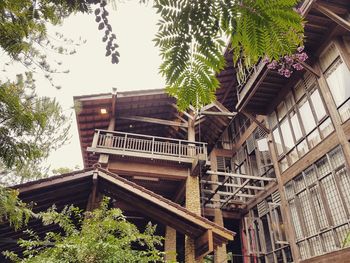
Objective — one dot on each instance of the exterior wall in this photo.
(327, 196)
(310, 126)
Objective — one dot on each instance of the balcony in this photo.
(149, 147)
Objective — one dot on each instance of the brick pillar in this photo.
(170, 244)
(220, 253)
(192, 200)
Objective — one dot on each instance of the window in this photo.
(300, 122)
(264, 232)
(317, 200)
(337, 75)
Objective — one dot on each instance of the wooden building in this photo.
(268, 160)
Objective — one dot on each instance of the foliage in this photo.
(30, 126)
(191, 34)
(12, 209)
(103, 235)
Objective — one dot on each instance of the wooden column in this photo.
(220, 253)
(170, 244)
(192, 198)
(103, 159)
(286, 216)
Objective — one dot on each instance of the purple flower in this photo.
(272, 65)
(266, 59)
(287, 73)
(281, 71)
(288, 60)
(298, 66)
(302, 57)
(300, 49)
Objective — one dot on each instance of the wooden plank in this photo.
(153, 120)
(333, 16)
(254, 119)
(244, 176)
(204, 244)
(53, 181)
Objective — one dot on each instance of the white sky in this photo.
(91, 72)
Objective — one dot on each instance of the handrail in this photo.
(149, 136)
(136, 144)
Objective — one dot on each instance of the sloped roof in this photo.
(75, 188)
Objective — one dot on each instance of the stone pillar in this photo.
(170, 244)
(192, 199)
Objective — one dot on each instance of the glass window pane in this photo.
(338, 79)
(326, 127)
(333, 199)
(307, 117)
(287, 135)
(318, 105)
(314, 138)
(344, 180)
(302, 148)
(319, 207)
(299, 183)
(337, 157)
(323, 167)
(310, 175)
(289, 190)
(289, 101)
(281, 111)
(295, 219)
(293, 156)
(284, 164)
(299, 90)
(278, 142)
(344, 111)
(273, 119)
(328, 241)
(296, 125)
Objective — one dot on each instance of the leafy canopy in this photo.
(101, 236)
(191, 34)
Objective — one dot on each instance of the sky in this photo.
(92, 73)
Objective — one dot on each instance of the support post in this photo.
(220, 253)
(170, 244)
(192, 198)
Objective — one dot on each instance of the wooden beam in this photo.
(92, 198)
(189, 116)
(310, 69)
(333, 16)
(244, 176)
(204, 244)
(154, 120)
(220, 107)
(259, 188)
(252, 118)
(218, 113)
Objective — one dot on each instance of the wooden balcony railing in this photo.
(144, 146)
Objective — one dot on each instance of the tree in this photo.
(101, 236)
(30, 127)
(191, 34)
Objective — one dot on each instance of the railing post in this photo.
(125, 138)
(179, 149)
(95, 140)
(152, 145)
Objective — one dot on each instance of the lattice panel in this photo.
(250, 144)
(262, 208)
(276, 197)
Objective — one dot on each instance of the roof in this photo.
(129, 107)
(75, 188)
